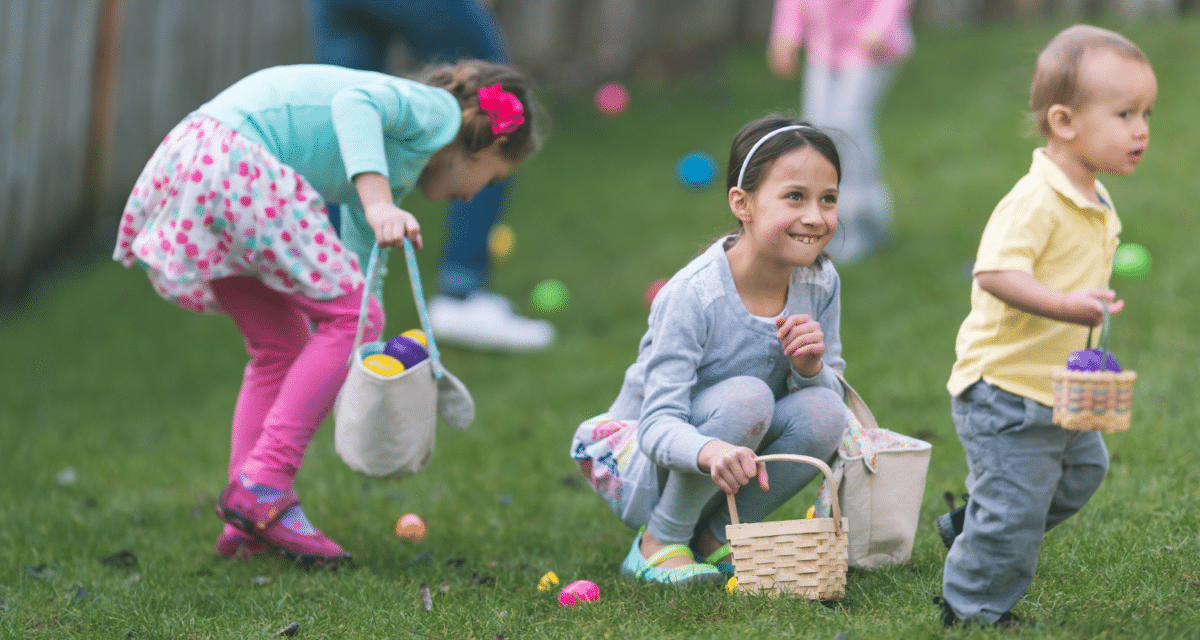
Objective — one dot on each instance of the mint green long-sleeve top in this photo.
(330, 124)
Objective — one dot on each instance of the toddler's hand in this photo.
(873, 43)
(782, 60)
(1088, 306)
(391, 224)
(803, 343)
(731, 466)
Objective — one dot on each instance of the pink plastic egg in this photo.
(577, 592)
(611, 99)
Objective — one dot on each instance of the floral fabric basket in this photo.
(880, 480)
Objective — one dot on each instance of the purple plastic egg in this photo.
(406, 350)
(1089, 360)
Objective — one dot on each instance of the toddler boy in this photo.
(1041, 276)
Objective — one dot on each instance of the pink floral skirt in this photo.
(211, 204)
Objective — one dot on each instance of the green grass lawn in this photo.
(102, 377)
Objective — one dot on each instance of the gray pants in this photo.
(1026, 475)
(808, 421)
(846, 103)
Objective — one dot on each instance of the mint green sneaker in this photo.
(640, 567)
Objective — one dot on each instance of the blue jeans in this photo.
(356, 33)
(1025, 476)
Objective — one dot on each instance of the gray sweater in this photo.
(700, 334)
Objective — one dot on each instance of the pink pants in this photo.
(294, 372)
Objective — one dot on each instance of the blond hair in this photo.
(1056, 76)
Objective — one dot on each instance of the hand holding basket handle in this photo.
(799, 557)
(384, 424)
(1100, 399)
(821, 466)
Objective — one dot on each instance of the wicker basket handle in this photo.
(1103, 337)
(819, 464)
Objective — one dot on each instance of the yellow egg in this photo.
(410, 527)
(418, 335)
(731, 585)
(548, 581)
(383, 364)
(501, 242)
(812, 512)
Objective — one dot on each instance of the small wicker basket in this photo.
(1093, 400)
(792, 557)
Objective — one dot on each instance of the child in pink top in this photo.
(852, 50)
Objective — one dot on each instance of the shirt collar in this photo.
(1044, 168)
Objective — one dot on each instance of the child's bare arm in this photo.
(1025, 292)
(389, 222)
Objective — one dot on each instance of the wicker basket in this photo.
(791, 557)
(1093, 400)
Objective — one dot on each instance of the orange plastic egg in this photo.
(410, 527)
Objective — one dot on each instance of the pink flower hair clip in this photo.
(503, 109)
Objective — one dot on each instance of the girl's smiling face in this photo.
(792, 215)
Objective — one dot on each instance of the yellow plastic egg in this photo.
(418, 335)
(501, 243)
(383, 364)
(548, 581)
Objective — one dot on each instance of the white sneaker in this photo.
(487, 321)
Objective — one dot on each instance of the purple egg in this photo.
(406, 350)
(1089, 360)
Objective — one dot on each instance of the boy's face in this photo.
(1112, 123)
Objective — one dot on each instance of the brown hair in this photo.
(1056, 76)
(774, 147)
(464, 79)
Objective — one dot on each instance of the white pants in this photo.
(845, 103)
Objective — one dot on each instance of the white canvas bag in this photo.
(880, 476)
(384, 425)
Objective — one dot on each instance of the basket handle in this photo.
(819, 464)
(857, 405)
(1103, 336)
(378, 257)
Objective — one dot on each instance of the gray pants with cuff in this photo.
(1025, 476)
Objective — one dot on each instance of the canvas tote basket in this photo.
(880, 479)
(790, 557)
(384, 425)
(1093, 400)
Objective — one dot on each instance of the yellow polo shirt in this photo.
(1047, 228)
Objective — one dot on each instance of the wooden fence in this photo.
(89, 87)
(87, 90)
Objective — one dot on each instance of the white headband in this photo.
(746, 162)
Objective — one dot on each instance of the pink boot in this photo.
(241, 509)
(235, 545)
